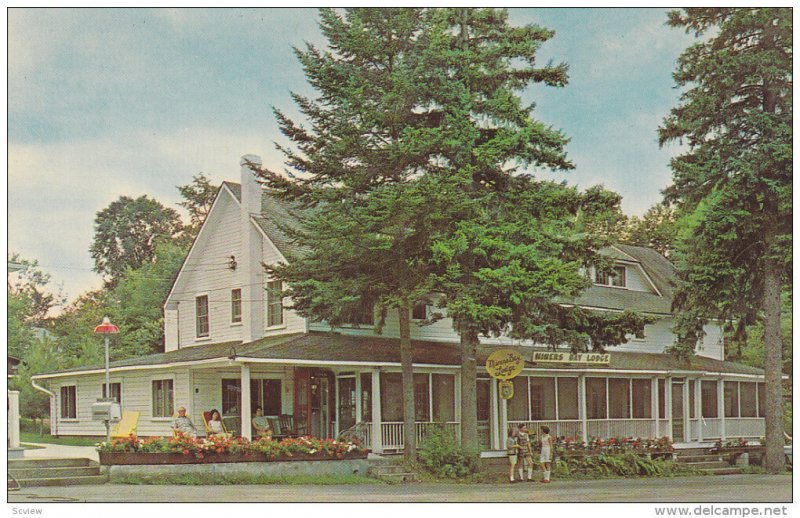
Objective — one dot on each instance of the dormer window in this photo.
(615, 278)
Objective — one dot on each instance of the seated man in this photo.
(261, 424)
(183, 424)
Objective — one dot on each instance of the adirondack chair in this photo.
(207, 419)
(126, 425)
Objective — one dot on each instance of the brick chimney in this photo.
(252, 273)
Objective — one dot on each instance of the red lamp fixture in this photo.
(106, 327)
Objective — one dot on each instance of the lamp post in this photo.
(107, 328)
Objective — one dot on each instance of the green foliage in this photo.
(621, 465)
(127, 233)
(657, 229)
(441, 455)
(199, 196)
(223, 479)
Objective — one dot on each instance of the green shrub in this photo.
(620, 465)
(441, 455)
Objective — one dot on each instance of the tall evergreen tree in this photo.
(735, 180)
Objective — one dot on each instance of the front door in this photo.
(677, 411)
(312, 411)
(347, 403)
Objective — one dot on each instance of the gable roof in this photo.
(325, 348)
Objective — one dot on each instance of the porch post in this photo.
(494, 416)
(246, 417)
(13, 418)
(698, 407)
(377, 428)
(654, 405)
(687, 427)
(721, 408)
(582, 406)
(503, 423)
(668, 404)
(359, 416)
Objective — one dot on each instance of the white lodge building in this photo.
(231, 345)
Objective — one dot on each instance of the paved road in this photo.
(730, 488)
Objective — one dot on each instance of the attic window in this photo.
(616, 278)
(420, 311)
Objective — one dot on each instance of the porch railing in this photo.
(392, 432)
(744, 427)
(606, 428)
(571, 428)
(710, 427)
(663, 428)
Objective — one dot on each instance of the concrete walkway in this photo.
(724, 489)
(59, 451)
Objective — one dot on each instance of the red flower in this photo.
(186, 452)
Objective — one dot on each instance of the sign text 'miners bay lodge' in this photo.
(564, 357)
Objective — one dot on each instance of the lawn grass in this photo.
(66, 441)
(242, 479)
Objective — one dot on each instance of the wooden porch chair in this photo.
(126, 425)
(207, 419)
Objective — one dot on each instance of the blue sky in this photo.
(106, 102)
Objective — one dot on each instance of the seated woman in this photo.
(261, 424)
(215, 424)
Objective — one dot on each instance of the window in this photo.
(274, 303)
(444, 402)
(731, 395)
(483, 396)
(366, 396)
(422, 400)
(361, 313)
(662, 401)
(708, 390)
(614, 278)
(236, 305)
(762, 400)
(518, 404)
(391, 396)
(420, 311)
(642, 399)
(596, 398)
(231, 395)
(619, 398)
(69, 403)
(267, 395)
(201, 312)
(163, 399)
(567, 398)
(116, 392)
(543, 399)
(691, 399)
(747, 394)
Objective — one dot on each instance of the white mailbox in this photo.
(106, 411)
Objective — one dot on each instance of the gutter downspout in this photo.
(53, 420)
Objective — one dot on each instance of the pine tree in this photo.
(735, 181)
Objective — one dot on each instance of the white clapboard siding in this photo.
(713, 345)
(137, 394)
(635, 280)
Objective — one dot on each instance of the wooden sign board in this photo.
(504, 364)
(564, 357)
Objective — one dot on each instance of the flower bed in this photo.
(570, 447)
(184, 449)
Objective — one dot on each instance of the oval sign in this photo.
(504, 364)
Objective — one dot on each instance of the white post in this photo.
(503, 423)
(654, 405)
(246, 412)
(582, 407)
(687, 430)
(359, 416)
(721, 409)
(494, 416)
(377, 432)
(698, 407)
(668, 404)
(13, 419)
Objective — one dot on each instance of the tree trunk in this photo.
(406, 362)
(469, 402)
(773, 367)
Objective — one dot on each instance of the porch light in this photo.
(107, 328)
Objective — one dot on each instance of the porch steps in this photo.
(56, 472)
(390, 470)
(711, 463)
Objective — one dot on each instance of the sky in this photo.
(111, 102)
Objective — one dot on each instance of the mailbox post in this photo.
(107, 328)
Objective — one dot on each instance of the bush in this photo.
(622, 465)
(441, 455)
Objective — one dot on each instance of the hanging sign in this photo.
(504, 364)
(585, 358)
(506, 389)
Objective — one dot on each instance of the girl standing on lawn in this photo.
(512, 446)
(547, 453)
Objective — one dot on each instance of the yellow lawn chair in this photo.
(126, 425)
